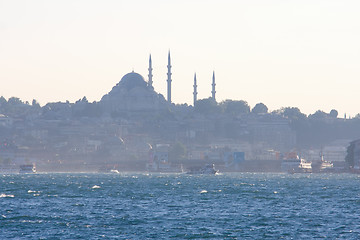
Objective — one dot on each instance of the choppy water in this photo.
(168, 206)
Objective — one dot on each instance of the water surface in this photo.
(173, 206)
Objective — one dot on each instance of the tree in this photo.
(207, 106)
(14, 101)
(349, 159)
(259, 108)
(235, 108)
(35, 103)
(318, 115)
(333, 113)
(3, 104)
(2, 101)
(292, 113)
(177, 152)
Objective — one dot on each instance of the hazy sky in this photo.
(283, 53)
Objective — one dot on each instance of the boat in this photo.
(108, 169)
(207, 169)
(296, 165)
(27, 168)
(322, 165)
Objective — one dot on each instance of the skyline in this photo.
(301, 54)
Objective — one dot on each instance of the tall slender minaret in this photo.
(213, 87)
(169, 79)
(150, 82)
(195, 90)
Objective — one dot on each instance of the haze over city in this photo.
(191, 119)
(301, 54)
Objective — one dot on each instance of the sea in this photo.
(179, 206)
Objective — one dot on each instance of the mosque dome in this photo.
(132, 94)
(132, 80)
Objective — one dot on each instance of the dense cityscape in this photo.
(132, 124)
(179, 119)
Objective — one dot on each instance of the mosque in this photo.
(133, 93)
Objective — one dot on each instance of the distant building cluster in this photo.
(127, 126)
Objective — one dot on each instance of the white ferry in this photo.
(27, 168)
(322, 165)
(296, 165)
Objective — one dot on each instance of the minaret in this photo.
(169, 79)
(195, 90)
(150, 82)
(213, 87)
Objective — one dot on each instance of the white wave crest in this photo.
(2, 195)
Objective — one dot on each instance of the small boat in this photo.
(27, 168)
(207, 169)
(322, 165)
(296, 165)
(108, 169)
